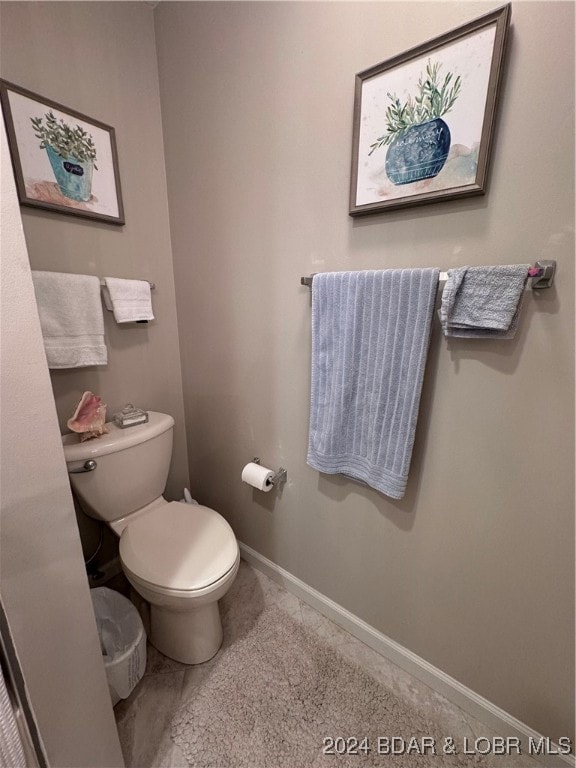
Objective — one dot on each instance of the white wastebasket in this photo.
(122, 639)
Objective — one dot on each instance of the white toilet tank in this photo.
(132, 467)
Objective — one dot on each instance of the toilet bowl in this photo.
(181, 558)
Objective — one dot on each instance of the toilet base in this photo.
(191, 636)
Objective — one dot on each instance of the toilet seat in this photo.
(179, 548)
(178, 598)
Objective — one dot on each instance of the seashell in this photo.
(89, 419)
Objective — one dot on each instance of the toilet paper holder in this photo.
(279, 477)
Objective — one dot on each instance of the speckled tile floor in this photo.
(144, 718)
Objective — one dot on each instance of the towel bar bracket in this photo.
(546, 273)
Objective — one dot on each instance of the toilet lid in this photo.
(179, 546)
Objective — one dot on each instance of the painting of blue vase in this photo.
(72, 155)
(418, 138)
(73, 176)
(418, 153)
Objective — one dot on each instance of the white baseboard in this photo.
(469, 701)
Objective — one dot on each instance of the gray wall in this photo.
(100, 59)
(474, 569)
(42, 579)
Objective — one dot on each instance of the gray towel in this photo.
(370, 338)
(483, 302)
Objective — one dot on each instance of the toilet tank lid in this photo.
(117, 439)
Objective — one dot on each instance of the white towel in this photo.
(130, 300)
(71, 319)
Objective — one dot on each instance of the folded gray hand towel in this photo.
(483, 302)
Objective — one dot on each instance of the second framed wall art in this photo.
(424, 120)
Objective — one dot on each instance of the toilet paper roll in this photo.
(258, 477)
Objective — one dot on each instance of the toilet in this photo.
(181, 558)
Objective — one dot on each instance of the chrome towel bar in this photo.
(542, 275)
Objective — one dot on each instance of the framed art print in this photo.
(63, 161)
(424, 120)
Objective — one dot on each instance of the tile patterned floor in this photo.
(143, 719)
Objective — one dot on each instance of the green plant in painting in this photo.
(66, 141)
(434, 99)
